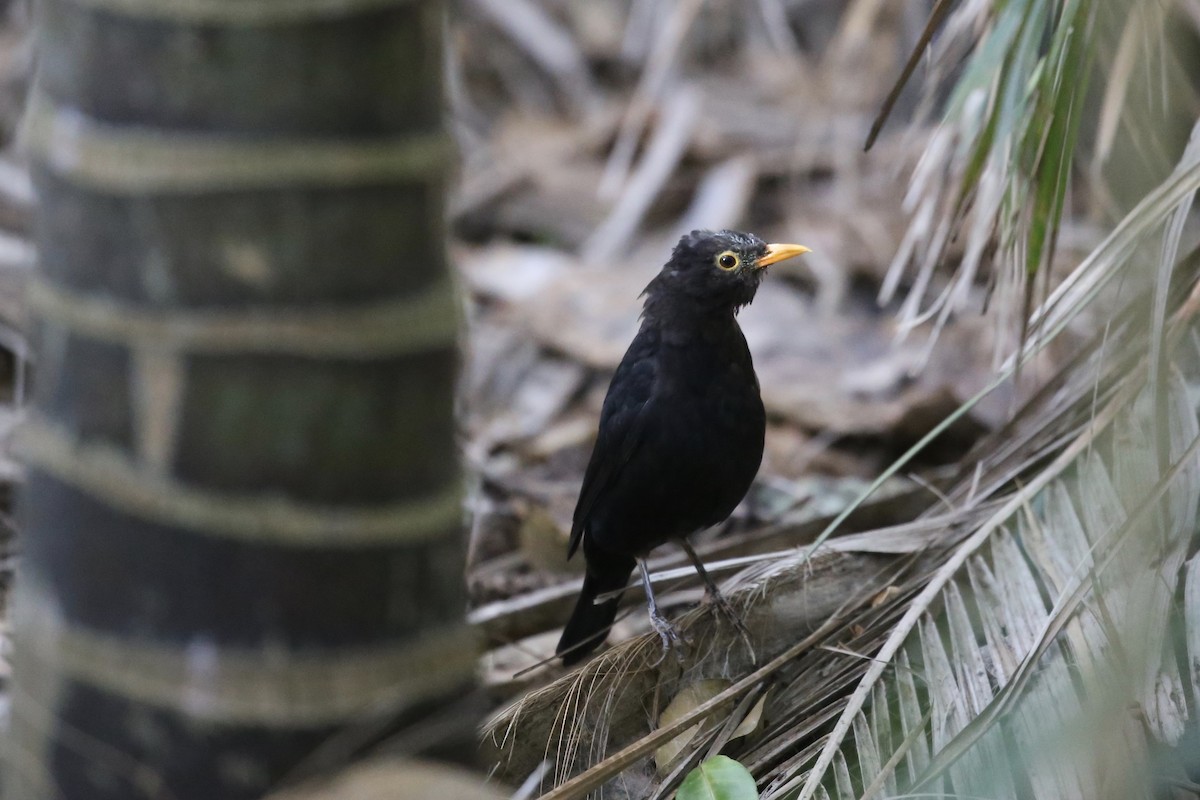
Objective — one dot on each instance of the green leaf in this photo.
(718, 778)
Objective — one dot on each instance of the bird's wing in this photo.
(627, 407)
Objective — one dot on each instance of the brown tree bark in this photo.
(241, 525)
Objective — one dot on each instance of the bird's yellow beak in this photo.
(780, 252)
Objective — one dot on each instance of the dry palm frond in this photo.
(577, 720)
(1116, 257)
(1057, 610)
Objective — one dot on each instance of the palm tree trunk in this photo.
(241, 520)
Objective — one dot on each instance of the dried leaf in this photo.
(753, 718)
(688, 699)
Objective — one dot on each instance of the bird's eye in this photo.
(728, 260)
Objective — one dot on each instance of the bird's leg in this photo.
(718, 599)
(665, 630)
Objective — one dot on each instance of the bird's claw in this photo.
(669, 634)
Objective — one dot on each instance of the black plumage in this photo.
(681, 430)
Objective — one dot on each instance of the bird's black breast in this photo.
(680, 441)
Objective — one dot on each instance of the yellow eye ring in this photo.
(728, 261)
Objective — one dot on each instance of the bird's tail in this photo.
(590, 621)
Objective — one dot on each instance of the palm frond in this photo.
(997, 173)
(1107, 524)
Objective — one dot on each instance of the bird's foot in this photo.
(669, 634)
(726, 609)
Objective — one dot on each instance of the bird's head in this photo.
(716, 271)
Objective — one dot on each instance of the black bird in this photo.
(681, 430)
